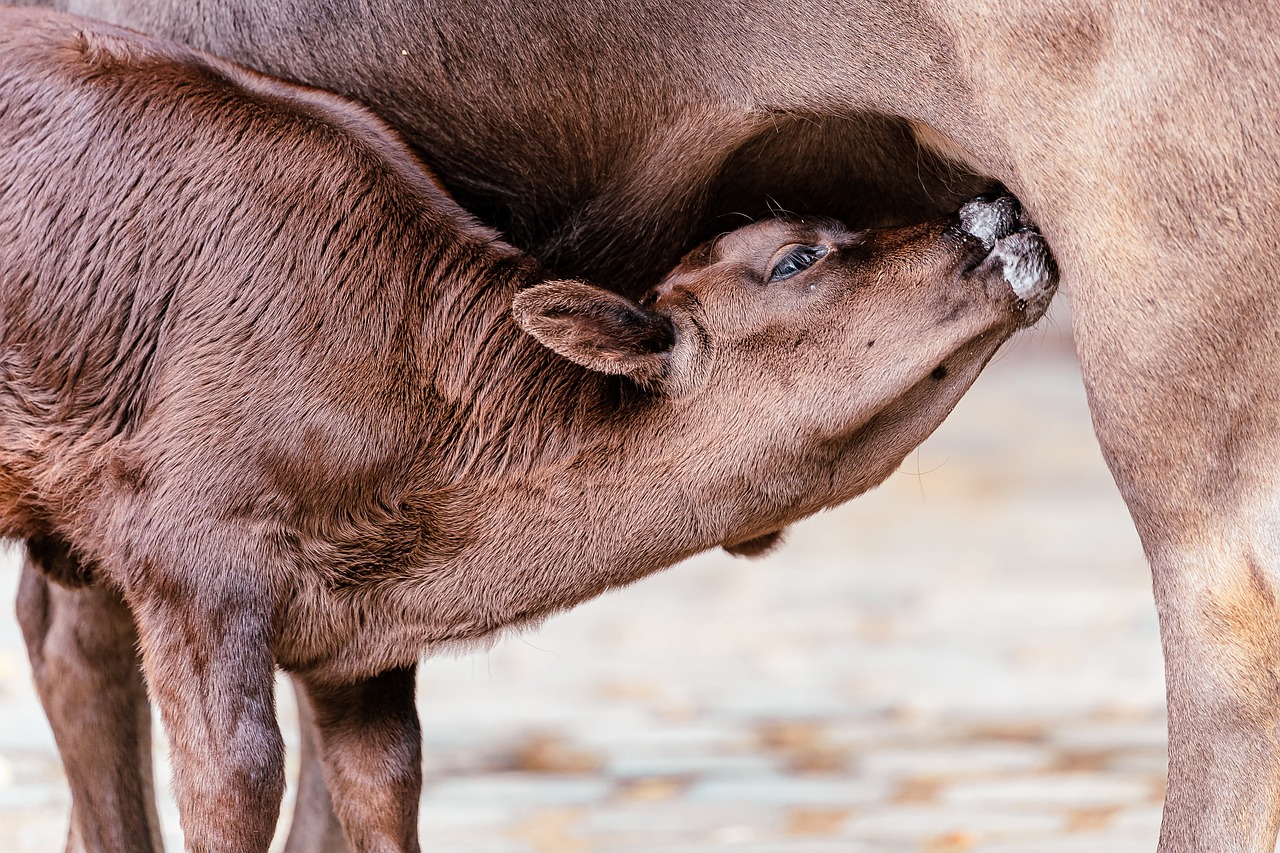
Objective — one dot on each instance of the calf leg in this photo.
(371, 745)
(84, 659)
(206, 638)
(315, 827)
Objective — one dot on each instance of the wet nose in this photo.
(991, 216)
(1017, 256)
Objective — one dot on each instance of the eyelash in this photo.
(796, 261)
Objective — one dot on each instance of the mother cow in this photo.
(607, 137)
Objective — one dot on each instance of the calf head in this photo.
(801, 361)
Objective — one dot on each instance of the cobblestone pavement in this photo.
(964, 660)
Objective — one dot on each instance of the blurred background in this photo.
(965, 659)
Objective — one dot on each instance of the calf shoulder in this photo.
(194, 257)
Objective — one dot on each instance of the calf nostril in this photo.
(987, 198)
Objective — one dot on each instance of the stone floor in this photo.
(964, 660)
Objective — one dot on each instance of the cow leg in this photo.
(1185, 395)
(371, 745)
(1152, 179)
(1216, 581)
(315, 827)
(84, 659)
(1218, 620)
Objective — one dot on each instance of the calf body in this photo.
(268, 386)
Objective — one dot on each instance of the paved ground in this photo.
(965, 660)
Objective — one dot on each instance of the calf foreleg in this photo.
(371, 745)
(315, 827)
(207, 634)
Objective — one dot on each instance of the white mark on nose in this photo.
(1026, 264)
(990, 220)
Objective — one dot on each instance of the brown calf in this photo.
(266, 382)
(608, 137)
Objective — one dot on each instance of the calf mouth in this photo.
(1010, 256)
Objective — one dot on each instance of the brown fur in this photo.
(608, 137)
(274, 388)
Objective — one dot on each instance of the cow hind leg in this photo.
(83, 650)
(1189, 427)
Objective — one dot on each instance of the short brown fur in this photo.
(607, 138)
(274, 389)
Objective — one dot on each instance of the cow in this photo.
(275, 399)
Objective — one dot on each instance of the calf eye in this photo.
(799, 258)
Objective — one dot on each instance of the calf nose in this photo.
(1017, 258)
(991, 216)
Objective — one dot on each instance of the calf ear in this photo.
(598, 329)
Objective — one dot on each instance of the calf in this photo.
(264, 379)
